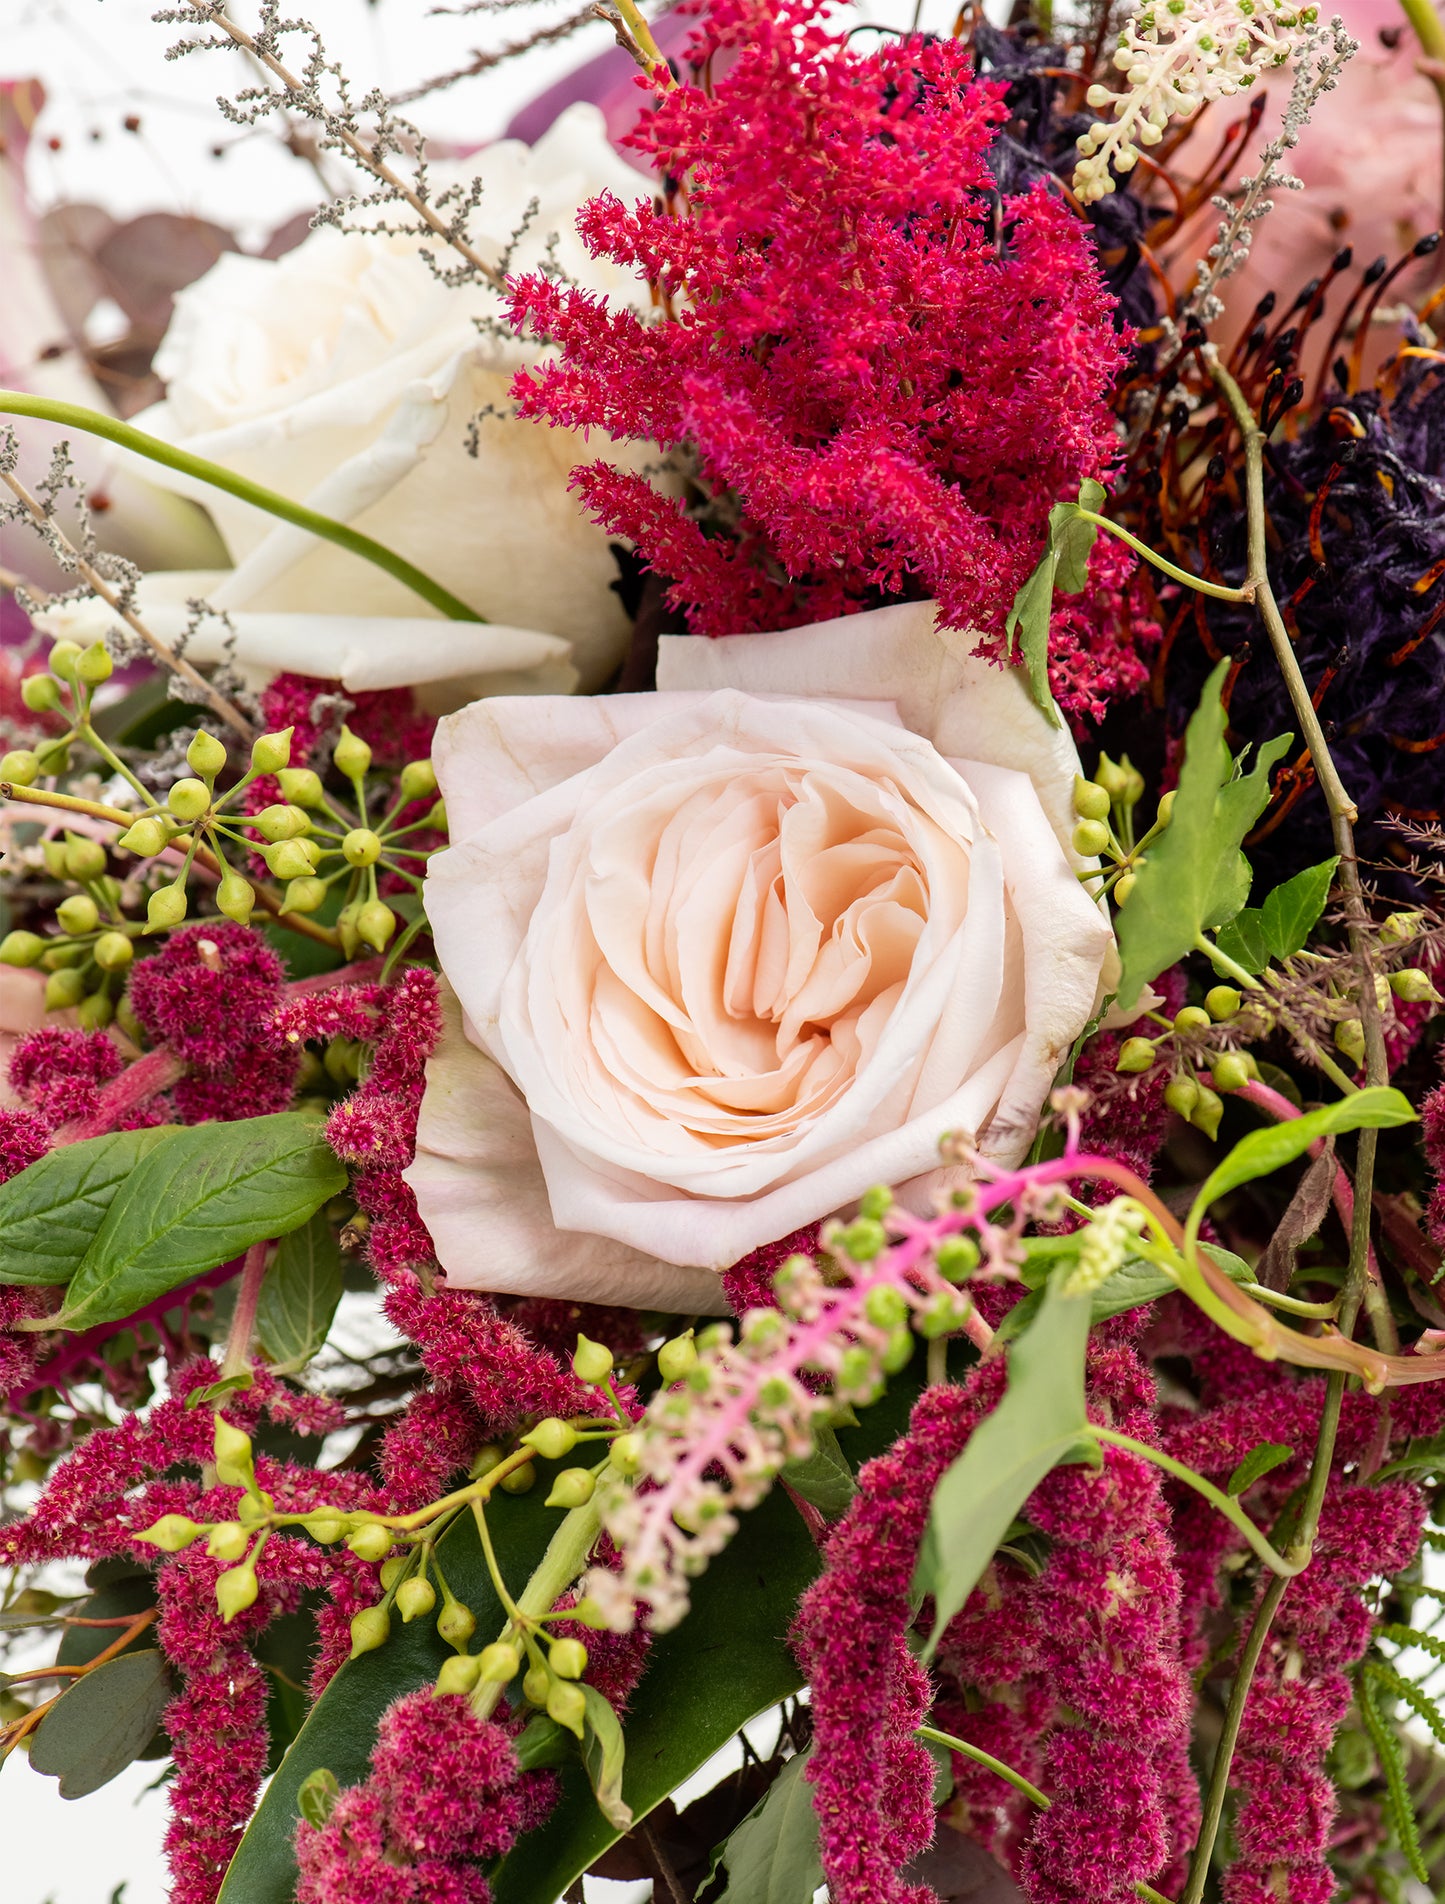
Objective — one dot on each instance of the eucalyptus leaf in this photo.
(823, 1479)
(103, 1722)
(604, 1754)
(50, 1213)
(299, 1295)
(1194, 876)
(197, 1200)
(1380, 1107)
(1040, 1420)
(772, 1856)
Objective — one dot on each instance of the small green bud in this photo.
(302, 787)
(1133, 783)
(499, 1663)
(418, 779)
(856, 1369)
(64, 657)
(1192, 1018)
(1090, 838)
(1123, 886)
(352, 755)
(342, 1060)
(20, 767)
(898, 1350)
(875, 1203)
(235, 1591)
(346, 928)
(459, 1674)
(956, 1258)
(1350, 1038)
(393, 1569)
(1398, 929)
(375, 924)
(864, 1239)
(235, 1465)
(588, 1613)
(64, 989)
(290, 860)
(415, 1598)
(437, 818)
(1111, 777)
(172, 1532)
(371, 1542)
(78, 914)
(304, 894)
(1414, 986)
(591, 1361)
(189, 799)
(95, 664)
(96, 1011)
(1166, 807)
(1207, 1112)
(369, 1629)
(126, 1019)
(54, 851)
(40, 693)
(281, 822)
(552, 1438)
(519, 1480)
(228, 1541)
(1091, 802)
(166, 907)
(1135, 1054)
(271, 752)
(113, 951)
(676, 1357)
(254, 1508)
(84, 859)
(568, 1658)
(59, 953)
(145, 837)
(1221, 1002)
(205, 756)
(625, 1453)
(573, 1487)
(235, 897)
(21, 948)
(536, 1685)
(1181, 1094)
(1229, 1071)
(567, 1704)
(885, 1307)
(484, 1460)
(456, 1623)
(325, 1527)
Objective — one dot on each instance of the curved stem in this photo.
(75, 416)
(1220, 590)
(1285, 1565)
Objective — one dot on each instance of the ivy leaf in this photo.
(1380, 1107)
(50, 1213)
(1244, 941)
(772, 1856)
(1039, 1421)
(300, 1294)
(823, 1479)
(603, 1753)
(1194, 876)
(103, 1722)
(1279, 928)
(1064, 565)
(1261, 1460)
(204, 1196)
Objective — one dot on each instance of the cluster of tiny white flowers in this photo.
(1107, 1243)
(1177, 55)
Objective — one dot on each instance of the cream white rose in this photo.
(730, 953)
(344, 375)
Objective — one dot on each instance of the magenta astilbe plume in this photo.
(882, 376)
(1100, 640)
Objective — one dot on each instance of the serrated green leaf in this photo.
(194, 1202)
(1289, 913)
(299, 1296)
(604, 1755)
(103, 1722)
(824, 1480)
(1194, 877)
(50, 1213)
(1380, 1107)
(772, 1856)
(1040, 1420)
(1260, 1460)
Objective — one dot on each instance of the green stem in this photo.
(75, 416)
(112, 760)
(1220, 590)
(1285, 1565)
(566, 1556)
(1316, 1052)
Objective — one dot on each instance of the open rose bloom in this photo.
(730, 953)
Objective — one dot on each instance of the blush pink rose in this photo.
(726, 955)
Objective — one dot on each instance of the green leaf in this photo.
(1038, 1422)
(1378, 1108)
(1074, 538)
(1244, 940)
(218, 1390)
(1194, 876)
(604, 1755)
(103, 1722)
(824, 1480)
(50, 1213)
(300, 1294)
(1260, 1460)
(772, 1856)
(1291, 910)
(317, 1796)
(1064, 565)
(197, 1200)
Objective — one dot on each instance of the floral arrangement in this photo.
(722, 903)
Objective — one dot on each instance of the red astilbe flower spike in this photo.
(881, 375)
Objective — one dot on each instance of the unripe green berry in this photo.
(418, 780)
(1398, 929)
(552, 1438)
(96, 1011)
(235, 1591)
(956, 1258)
(1090, 838)
(1166, 806)
(415, 1598)
(499, 1663)
(573, 1487)
(375, 924)
(1181, 1094)
(113, 951)
(519, 1480)
(352, 755)
(235, 1464)
(78, 914)
(84, 859)
(145, 837)
(624, 1452)
(536, 1685)
(64, 656)
(21, 948)
(864, 1239)
(876, 1202)
(371, 1542)
(171, 1533)
(898, 1350)
(282, 821)
(290, 860)
(20, 767)
(885, 1307)
(456, 1623)
(166, 907)
(235, 897)
(40, 693)
(1135, 1054)
(1111, 777)
(1207, 1112)
(437, 818)
(567, 1704)
(325, 1528)
(1221, 1002)
(228, 1541)
(458, 1675)
(1091, 802)
(1192, 1018)
(1414, 986)
(205, 756)
(1123, 886)
(1229, 1071)
(271, 752)
(304, 894)
(676, 1357)
(393, 1569)
(64, 989)
(568, 1658)
(95, 664)
(369, 1629)
(1350, 1039)
(591, 1361)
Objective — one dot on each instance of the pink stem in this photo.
(81, 1348)
(243, 1318)
(362, 972)
(148, 1076)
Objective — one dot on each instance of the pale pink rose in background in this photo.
(22, 1010)
(730, 953)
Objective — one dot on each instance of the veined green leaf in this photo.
(50, 1213)
(1379, 1108)
(1063, 566)
(824, 1480)
(604, 1755)
(300, 1294)
(1279, 928)
(772, 1856)
(1261, 1460)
